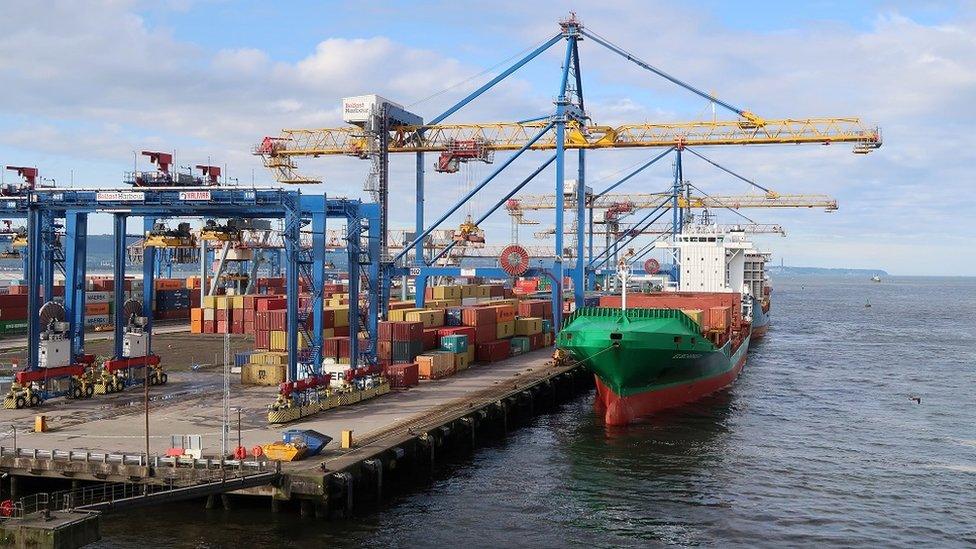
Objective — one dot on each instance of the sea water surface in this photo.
(851, 426)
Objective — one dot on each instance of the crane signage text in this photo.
(119, 196)
(195, 195)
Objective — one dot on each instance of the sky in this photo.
(86, 84)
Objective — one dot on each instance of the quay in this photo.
(94, 451)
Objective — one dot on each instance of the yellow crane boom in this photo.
(278, 152)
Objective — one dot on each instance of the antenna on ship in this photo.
(623, 273)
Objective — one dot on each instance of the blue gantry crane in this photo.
(45, 378)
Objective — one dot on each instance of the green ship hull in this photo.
(647, 360)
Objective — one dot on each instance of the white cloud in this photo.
(101, 81)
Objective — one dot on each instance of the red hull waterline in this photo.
(619, 410)
(759, 332)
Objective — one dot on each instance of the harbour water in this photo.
(850, 426)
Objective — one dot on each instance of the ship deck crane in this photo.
(568, 127)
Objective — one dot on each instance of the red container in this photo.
(209, 327)
(493, 351)
(272, 304)
(262, 339)
(261, 321)
(408, 331)
(431, 339)
(472, 333)
(16, 313)
(384, 331)
(13, 302)
(537, 341)
(539, 308)
(248, 315)
(336, 347)
(485, 333)
(223, 327)
(384, 350)
(277, 320)
(342, 331)
(477, 316)
(403, 375)
(496, 290)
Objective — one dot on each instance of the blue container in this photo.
(452, 316)
(313, 440)
(240, 359)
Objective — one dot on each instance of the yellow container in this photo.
(505, 330)
(346, 439)
(431, 318)
(341, 315)
(399, 315)
(528, 326)
(447, 292)
(484, 291)
(210, 301)
(279, 451)
(268, 375)
(236, 302)
(40, 424)
(461, 361)
(469, 291)
(471, 354)
(695, 314)
(222, 302)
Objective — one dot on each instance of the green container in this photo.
(13, 326)
(455, 343)
(520, 345)
(546, 325)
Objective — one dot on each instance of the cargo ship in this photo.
(652, 351)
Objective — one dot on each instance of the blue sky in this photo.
(88, 83)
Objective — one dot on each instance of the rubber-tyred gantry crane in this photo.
(568, 126)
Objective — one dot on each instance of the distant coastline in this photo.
(823, 271)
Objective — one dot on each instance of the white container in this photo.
(98, 320)
(99, 297)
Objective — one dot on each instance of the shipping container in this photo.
(403, 375)
(493, 351)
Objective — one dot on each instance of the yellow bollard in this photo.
(40, 423)
(347, 439)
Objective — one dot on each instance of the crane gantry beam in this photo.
(624, 202)
(511, 136)
(664, 228)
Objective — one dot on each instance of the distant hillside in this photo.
(822, 271)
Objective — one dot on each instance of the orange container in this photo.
(95, 309)
(719, 318)
(504, 313)
(169, 283)
(196, 314)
